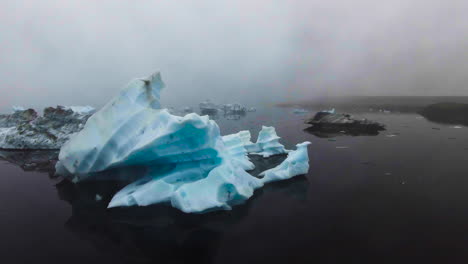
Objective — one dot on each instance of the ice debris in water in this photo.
(17, 108)
(81, 109)
(268, 143)
(300, 111)
(296, 163)
(187, 162)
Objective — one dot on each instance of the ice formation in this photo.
(17, 108)
(234, 108)
(268, 143)
(300, 111)
(188, 163)
(82, 110)
(24, 129)
(296, 163)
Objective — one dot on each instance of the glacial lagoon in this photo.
(396, 197)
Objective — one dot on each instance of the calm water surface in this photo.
(398, 197)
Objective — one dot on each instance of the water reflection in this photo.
(212, 113)
(234, 115)
(159, 231)
(41, 160)
(145, 234)
(336, 132)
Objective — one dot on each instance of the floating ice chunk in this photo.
(82, 110)
(268, 143)
(49, 131)
(245, 138)
(132, 130)
(225, 185)
(332, 111)
(300, 111)
(17, 108)
(185, 160)
(160, 185)
(5, 133)
(297, 163)
(235, 145)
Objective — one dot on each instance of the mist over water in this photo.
(258, 52)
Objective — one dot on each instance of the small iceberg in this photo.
(17, 108)
(186, 161)
(297, 163)
(300, 111)
(234, 109)
(207, 107)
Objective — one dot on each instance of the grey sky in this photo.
(82, 52)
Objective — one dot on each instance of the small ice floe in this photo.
(17, 108)
(188, 109)
(342, 147)
(388, 173)
(332, 139)
(385, 111)
(391, 135)
(457, 127)
(300, 111)
(98, 197)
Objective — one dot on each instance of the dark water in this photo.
(379, 199)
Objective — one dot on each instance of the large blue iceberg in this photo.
(187, 162)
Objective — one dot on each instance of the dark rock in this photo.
(326, 124)
(447, 113)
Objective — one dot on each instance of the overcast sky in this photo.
(84, 51)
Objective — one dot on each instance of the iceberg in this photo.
(234, 109)
(18, 117)
(207, 107)
(268, 143)
(17, 108)
(300, 111)
(187, 162)
(25, 129)
(82, 110)
(297, 163)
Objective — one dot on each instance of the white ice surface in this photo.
(297, 163)
(188, 163)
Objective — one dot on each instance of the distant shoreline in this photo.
(410, 104)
